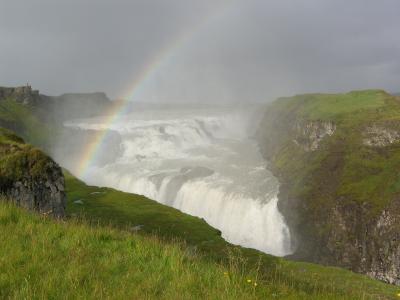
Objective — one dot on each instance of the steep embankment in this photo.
(30, 178)
(338, 160)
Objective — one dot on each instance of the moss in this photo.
(19, 160)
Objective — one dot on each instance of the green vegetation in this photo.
(27, 121)
(334, 195)
(356, 172)
(19, 160)
(332, 106)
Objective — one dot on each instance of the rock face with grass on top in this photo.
(338, 159)
(29, 177)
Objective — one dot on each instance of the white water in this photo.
(203, 163)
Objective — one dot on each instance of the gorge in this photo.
(201, 161)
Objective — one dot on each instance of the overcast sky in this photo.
(200, 50)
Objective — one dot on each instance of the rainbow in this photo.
(163, 57)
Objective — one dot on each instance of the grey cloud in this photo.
(252, 50)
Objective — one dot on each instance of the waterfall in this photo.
(202, 162)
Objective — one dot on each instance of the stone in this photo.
(309, 134)
(136, 228)
(379, 136)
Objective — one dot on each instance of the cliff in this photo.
(29, 177)
(338, 159)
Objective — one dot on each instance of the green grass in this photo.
(334, 106)
(42, 259)
(286, 279)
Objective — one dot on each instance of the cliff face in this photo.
(338, 160)
(29, 177)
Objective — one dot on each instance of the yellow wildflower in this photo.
(255, 283)
(398, 294)
(248, 280)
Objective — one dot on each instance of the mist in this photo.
(200, 51)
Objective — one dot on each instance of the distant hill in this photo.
(75, 105)
(58, 108)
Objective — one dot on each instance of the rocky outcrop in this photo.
(364, 244)
(22, 94)
(46, 195)
(309, 134)
(30, 178)
(338, 168)
(380, 136)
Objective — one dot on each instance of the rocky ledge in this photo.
(30, 178)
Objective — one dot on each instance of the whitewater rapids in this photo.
(202, 162)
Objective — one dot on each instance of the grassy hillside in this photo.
(285, 279)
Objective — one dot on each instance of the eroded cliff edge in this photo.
(29, 177)
(338, 160)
